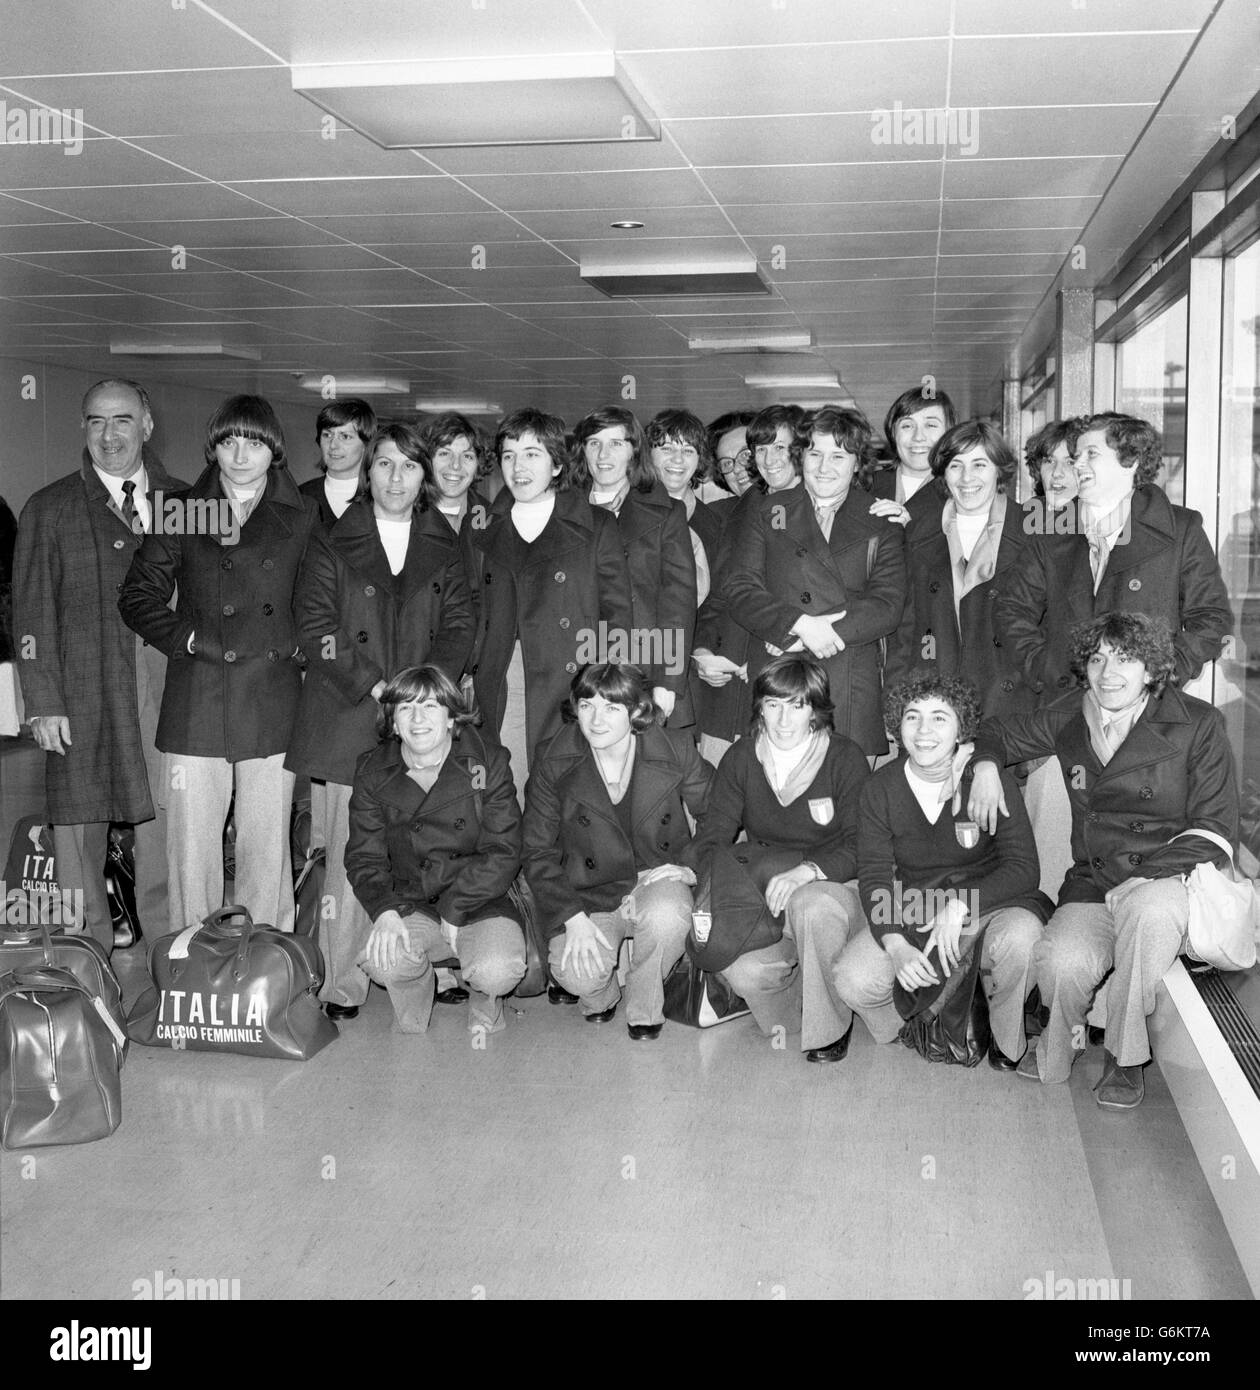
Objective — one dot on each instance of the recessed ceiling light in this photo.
(143, 347)
(627, 226)
(620, 277)
(436, 406)
(794, 381)
(751, 340)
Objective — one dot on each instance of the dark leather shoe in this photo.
(457, 994)
(1121, 1088)
(556, 995)
(834, 1052)
(604, 1017)
(337, 1012)
(998, 1059)
(645, 1032)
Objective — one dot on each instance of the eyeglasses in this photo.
(740, 460)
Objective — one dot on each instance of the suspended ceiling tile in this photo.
(1001, 17)
(1061, 131)
(659, 188)
(653, 24)
(779, 220)
(100, 162)
(1035, 263)
(209, 234)
(1029, 178)
(472, 228)
(665, 222)
(265, 259)
(382, 286)
(975, 241)
(77, 239)
(828, 183)
(435, 257)
(822, 249)
(328, 197)
(780, 140)
(146, 202)
(1070, 213)
(282, 155)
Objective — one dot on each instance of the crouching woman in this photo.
(435, 842)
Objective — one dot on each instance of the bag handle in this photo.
(178, 949)
(1219, 841)
(56, 977)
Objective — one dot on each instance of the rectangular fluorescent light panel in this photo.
(139, 347)
(557, 99)
(355, 385)
(720, 275)
(752, 340)
(437, 407)
(813, 382)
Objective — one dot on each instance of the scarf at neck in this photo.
(799, 779)
(949, 778)
(1108, 728)
(979, 567)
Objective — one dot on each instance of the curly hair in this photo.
(958, 693)
(619, 684)
(1137, 443)
(422, 683)
(1040, 448)
(1139, 636)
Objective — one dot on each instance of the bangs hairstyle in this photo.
(910, 403)
(251, 417)
(1136, 635)
(440, 431)
(640, 472)
(959, 694)
(968, 435)
(685, 428)
(548, 430)
(351, 411)
(848, 427)
(1137, 443)
(794, 678)
(422, 683)
(619, 685)
(763, 428)
(724, 424)
(405, 437)
(1040, 448)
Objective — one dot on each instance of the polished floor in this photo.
(561, 1160)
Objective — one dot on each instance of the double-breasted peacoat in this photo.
(358, 624)
(314, 488)
(1165, 567)
(450, 853)
(553, 594)
(577, 856)
(235, 695)
(780, 567)
(75, 655)
(933, 636)
(723, 710)
(1173, 772)
(657, 548)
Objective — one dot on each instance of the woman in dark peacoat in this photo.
(441, 861)
(233, 675)
(956, 636)
(780, 568)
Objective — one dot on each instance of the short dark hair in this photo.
(548, 430)
(959, 438)
(619, 684)
(1140, 636)
(764, 428)
(421, 683)
(146, 405)
(405, 437)
(1040, 448)
(249, 416)
(607, 417)
(439, 431)
(724, 424)
(1137, 442)
(687, 428)
(352, 410)
(910, 403)
(848, 426)
(959, 694)
(794, 677)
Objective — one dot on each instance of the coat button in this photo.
(666, 818)
(487, 578)
(564, 623)
(229, 657)
(571, 667)
(807, 597)
(584, 820)
(1147, 793)
(268, 610)
(369, 591)
(1135, 859)
(1091, 815)
(800, 552)
(225, 564)
(361, 637)
(1007, 687)
(435, 899)
(459, 822)
(1098, 863)
(118, 587)
(559, 576)
(437, 588)
(1137, 826)
(997, 641)
(741, 859)
(934, 587)
(228, 610)
(419, 825)
(118, 545)
(269, 564)
(272, 654)
(590, 863)
(1134, 585)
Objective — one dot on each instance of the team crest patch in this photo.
(822, 809)
(967, 833)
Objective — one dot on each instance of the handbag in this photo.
(220, 986)
(699, 998)
(947, 1022)
(1224, 919)
(60, 1057)
(534, 981)
(82, 956)
(308, 893)
(731, 887)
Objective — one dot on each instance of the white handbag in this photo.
(1224, 910)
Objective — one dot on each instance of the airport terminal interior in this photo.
(1046, 208)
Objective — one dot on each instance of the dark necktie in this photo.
(130, 515)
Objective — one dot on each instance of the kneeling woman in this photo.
(435, 842)
(606, 835)
(794, 788)
(916, 841)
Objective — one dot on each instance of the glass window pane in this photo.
(1151, 384)
(1238, 675)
